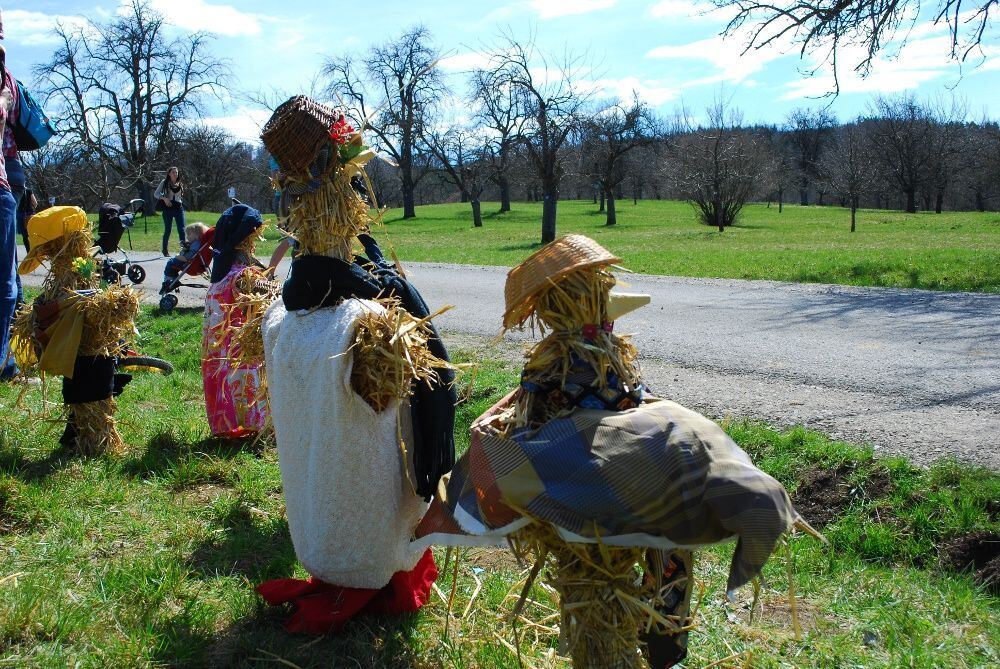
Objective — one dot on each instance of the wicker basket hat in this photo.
(297, 131)
(542, 268)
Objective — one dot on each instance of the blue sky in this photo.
(669, 51)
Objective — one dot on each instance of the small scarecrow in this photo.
(583, 468)
(231, 361)
(359, 387)
(75, 329)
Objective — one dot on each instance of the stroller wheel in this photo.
(136, 274)
(109, 274)
(168, 302)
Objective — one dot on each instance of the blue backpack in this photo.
(32, 130)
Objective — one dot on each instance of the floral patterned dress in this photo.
(232, 397)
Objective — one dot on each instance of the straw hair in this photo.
(543, 268)
(296, 132)
(326, 221)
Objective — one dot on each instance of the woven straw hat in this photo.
(296, 132)
(540, 269)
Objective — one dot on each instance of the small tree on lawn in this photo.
(610, 135)
(719, 166)
(458, 152)
(848, 168)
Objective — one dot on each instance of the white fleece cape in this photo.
(351, 510)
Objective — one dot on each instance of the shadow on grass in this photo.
(179, 311)
(523, 246)
(365, 643)
(14, 460)
(164, 449)
(258, 549)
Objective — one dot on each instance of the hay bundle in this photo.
(573, 310)
(390, 353)
(606, 603)
(63, 275)
(109, 320)
(325, 222)
(96, 431)
(254, 293)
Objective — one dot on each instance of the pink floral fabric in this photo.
(232, 392)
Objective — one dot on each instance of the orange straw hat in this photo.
(543, 268)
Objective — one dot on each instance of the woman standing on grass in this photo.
(169, 200)
(10, 285)
(232, 388)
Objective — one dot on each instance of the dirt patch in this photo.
(203, 494)
(978, 552)
(492, 559)
(823, 495)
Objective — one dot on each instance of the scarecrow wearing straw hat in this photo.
(358, 387)
(587, 471)
(74, 329)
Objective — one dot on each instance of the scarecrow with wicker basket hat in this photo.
(600, 481)
(359, 386)
(75, 329)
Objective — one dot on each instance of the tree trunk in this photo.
(804, 197)
(911, 200)
(603, 194)
(980, 200)
(938, 201)
(465, 198)
(504, 193)
(549, 203)
(612, 217)
(781, 200)
(406, 178)
(594, 193)
(477, 213)
(718, 216)
(854, 213)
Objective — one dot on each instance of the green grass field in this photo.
(150, 558)
(950, 251)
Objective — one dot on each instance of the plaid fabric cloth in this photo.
(659, 475)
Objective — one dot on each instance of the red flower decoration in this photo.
(341, 131)
(590, 331)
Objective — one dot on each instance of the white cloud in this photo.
(725, 54)
(35, 28)
(550, 9)
(918, 61)
(691, 9)
(198, 15)
(245, 124)
(653, 92)
(463, 62)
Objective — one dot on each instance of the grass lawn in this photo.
(950, 251)
(150, 558)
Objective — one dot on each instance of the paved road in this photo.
(916, 373)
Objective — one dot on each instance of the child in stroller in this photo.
(192, 260)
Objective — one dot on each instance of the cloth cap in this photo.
(531, 277)
(46, 226)
(235, 225)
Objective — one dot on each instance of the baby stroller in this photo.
(195, 267)
(112, 222)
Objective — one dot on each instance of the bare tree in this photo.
(900, 130)
(949, 144)
(835, 26)
(719, 166)
(498, 112)
(459, 155)
(550, 109)
(848, 169)
(392, 91)
(615, 130)
(212, 161)
(121, 88)
(808, 132)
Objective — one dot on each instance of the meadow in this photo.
(950, 251)
(149, 558)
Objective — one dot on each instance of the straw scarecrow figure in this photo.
(584, 469)
(75, 329)
(358, 387)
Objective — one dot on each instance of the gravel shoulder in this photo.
(914, 373)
